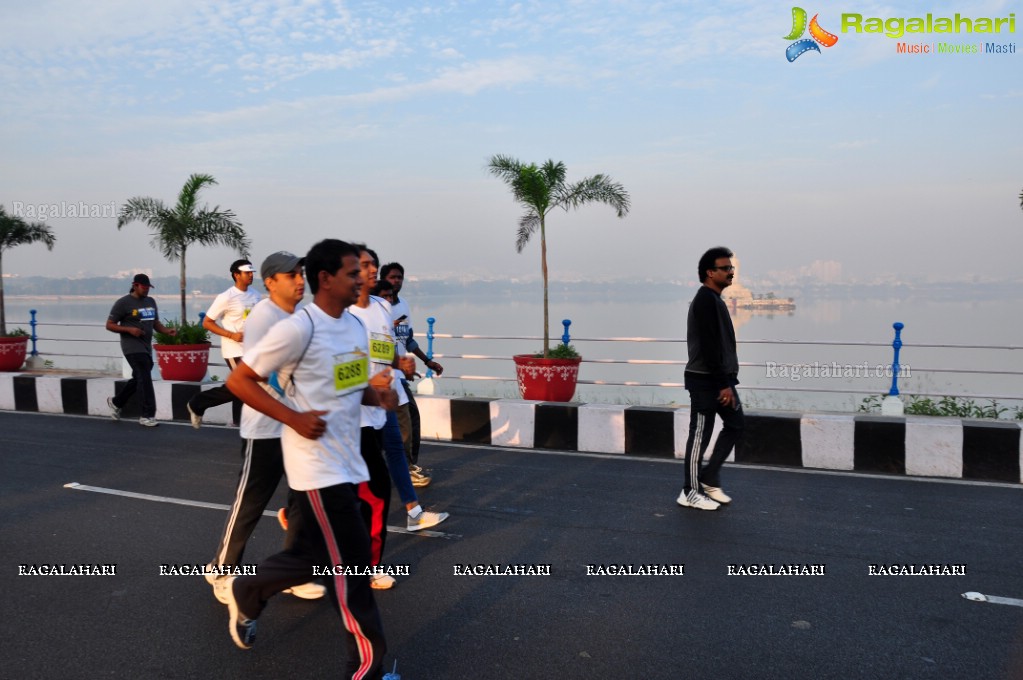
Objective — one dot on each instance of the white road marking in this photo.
(994, 599)
(219, 506)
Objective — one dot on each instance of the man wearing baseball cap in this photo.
(134, 317)
(226, 318)
(262, 460)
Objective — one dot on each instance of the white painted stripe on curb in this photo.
(993, 599)
(219, 506)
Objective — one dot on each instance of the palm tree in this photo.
(15, 231)
(174, 229)
(541, 190)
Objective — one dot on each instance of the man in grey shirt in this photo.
(134, 317)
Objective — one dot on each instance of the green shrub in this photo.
(18, 333)
(562, 351)
(187, 334)
(954, 407)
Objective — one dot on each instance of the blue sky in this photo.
(373, 121)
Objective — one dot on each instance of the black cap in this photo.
(143, 279)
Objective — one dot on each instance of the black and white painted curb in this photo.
(914, 446)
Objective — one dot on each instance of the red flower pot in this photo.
(12, 352)
(546, 379)
(186, 363)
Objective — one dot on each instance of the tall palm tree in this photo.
(175, 229)
(541, 190)
(15, 231)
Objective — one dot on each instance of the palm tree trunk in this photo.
(543, 269)
(182, 282)
(3, 313)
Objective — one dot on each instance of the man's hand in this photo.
(134, 332)
(407, 365)
(309, 424)
(727, 397)
(435, 367)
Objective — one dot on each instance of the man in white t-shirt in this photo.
(262, 459)
(381, 436)
(226, 318)
(321, 358)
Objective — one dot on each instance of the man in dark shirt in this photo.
(135, 317)
(710, 377)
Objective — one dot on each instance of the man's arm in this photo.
(160, 328)
(412, 346)
(126, 330)
(215, 328)
(708, 329)
(244, 384)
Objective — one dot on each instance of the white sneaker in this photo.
(220, 588)
(115, 412)
(195, 417)
(424, 520)
(697, 500)
(716, 494)
(307, 591)
(381, 581)
(243, 629)
(148, 422)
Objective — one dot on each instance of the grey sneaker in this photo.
(148, 422)
(195, 417)
(425, 520)
(696, 500)
(115, 412)
(716, 494)
(243, 630)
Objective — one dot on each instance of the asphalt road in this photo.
(510, 508)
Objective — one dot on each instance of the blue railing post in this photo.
(429, 343)
(897, 344)
(892, 405)
(35, 337)
(566, 338)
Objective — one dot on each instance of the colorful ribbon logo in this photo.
(818, 35)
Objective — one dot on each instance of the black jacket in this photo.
(713, 361)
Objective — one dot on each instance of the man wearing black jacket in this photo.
(710, 377)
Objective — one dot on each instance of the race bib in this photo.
(381, 348)
(351, 372)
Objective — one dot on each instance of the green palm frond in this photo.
(175, 229)
(540, 189)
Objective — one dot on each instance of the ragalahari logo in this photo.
(818, 35)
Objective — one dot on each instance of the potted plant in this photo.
(13, 347)
(15, 231)
(550, 375)
(184, 356)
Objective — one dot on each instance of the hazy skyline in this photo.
(374, 122)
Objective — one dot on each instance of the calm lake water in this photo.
(778, 370)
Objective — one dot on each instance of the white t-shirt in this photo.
(382, 350)
(261, 319)
(230, 309)
(332, 375)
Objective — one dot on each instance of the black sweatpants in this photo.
(704, 406)
(262, 470)
(375, 495)
(328, 533)
(206, 399)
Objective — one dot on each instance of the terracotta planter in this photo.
(546, 379)
(12, 353)
(186, 363)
